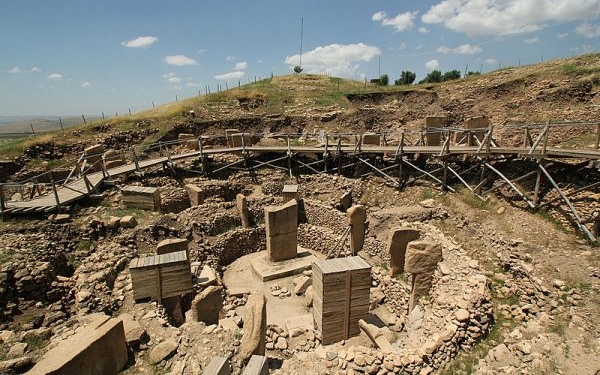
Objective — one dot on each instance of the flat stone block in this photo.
(98, 349)
(267, 270)
(257, 365)
(195, 193)
(218, 366)
(299, 324)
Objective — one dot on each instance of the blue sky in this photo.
(68, 57)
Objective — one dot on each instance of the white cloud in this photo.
(171, 78)
(230, 58)
(403, 46)
(562, 35)
(55, 77)
(192, 84)
(14, 70)
(379, 16)
(467, 49)
(401, 22)
(491, 61)
(140, 42)
(230, 75)
(337, 59)
(588, 30)
(242, 65)
(419, 46)
(432, 65)
(423, 30)
(532, 40)
(180, 60)
(86, 84)
(35, 69)
(464, 49)
(506, 17)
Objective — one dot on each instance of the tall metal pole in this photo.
(301, 38)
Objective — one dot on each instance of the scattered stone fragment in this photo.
(162, 351)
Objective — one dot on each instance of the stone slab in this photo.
(257, 365)
(298, 324)
(218, 366)
(98, 349)
(267, 270)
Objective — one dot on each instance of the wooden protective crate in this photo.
(341, 296)
(161, 276)
(289, 192)
(144, 197)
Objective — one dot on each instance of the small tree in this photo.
(298, 69)
(384, 80)
(451, 75)
(433, 77)
(471, 73)
(406, 78)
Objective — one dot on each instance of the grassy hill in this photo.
(554, 90)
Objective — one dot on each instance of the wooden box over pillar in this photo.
(289, 192)
(144, 197)
(161, 276)
(341, 296)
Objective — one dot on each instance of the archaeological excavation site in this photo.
(441, 229)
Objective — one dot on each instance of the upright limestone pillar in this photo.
(281, 224)
(421, 261)
(397, 242)
(357, 218)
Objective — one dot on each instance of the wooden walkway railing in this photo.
(335, 153)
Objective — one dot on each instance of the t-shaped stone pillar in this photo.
(397, 242)
(242, 208)
(357, 218)
(281, 225)
(421, 261)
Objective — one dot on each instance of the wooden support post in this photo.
(445, 176)
(581, 226)
(135, 160)
(536, 191)
(2, 202)
(289, 155)
(488, 145)
(399, 161)
(339, 154)
(55, 192)
(597, 144)
(244, 151)
(326, 153)
(168, 155)
(546, 131)
(86, 182)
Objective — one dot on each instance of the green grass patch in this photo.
(428, 194)
(138, 213)
(5, 255)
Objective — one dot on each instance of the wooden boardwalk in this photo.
(78, 189)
